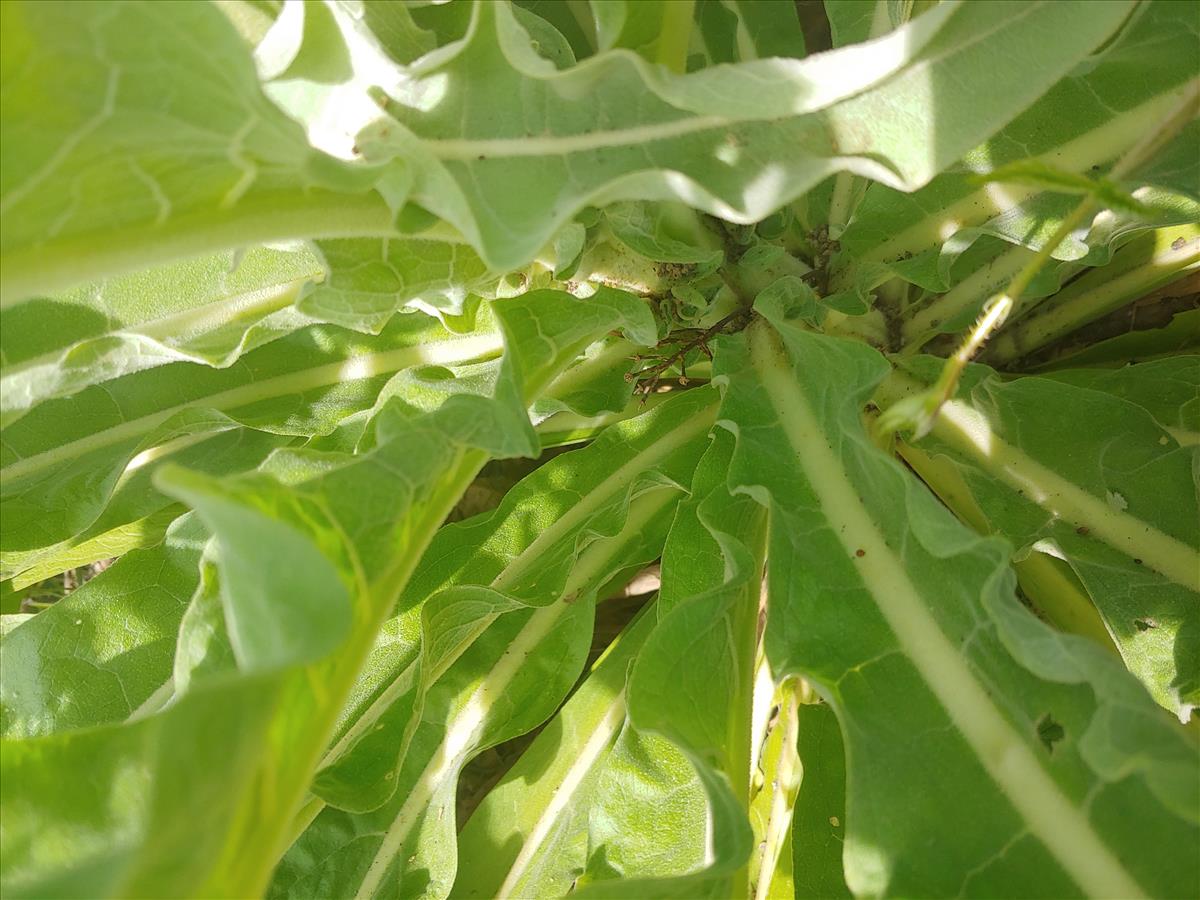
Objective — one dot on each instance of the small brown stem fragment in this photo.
(685, 340)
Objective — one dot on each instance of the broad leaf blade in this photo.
(119, 153)
(529, 835)
(62, 460)
(1040, 460)
(818, 830)
(907, 624)
(482, 164)
(209, 310)
(291, 692)
(68, 667)
(708, 610)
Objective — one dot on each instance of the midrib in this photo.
(622, 478)
(353, 368)
(197, 320)
(527, 559)
(211, 315)
(509, 148)
(468, 724)
(1047, 812)
(1066, 500)
(957, 426)
(589, 753)
(1183, 436)
(1100, 145)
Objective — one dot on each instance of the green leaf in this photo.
(927, 640)
(1046, 177)
(529, 835)
(854, 21)
(1039, 460)
(101, 653)
(392, 24)
(1081, 126)
(370, 279)
(709, 611)
(482, 164)
(204, 649)
(302, 304)
(1147, 263)
(573, 21)
(648, 816)
(818, 830)
(1168, 389)
(1177, 335)
(742, 30)
(133, 808)
(62, 460)
(304, 43)
(637, 26)
(775, 779)
(767, 29)
(137, 513)
(209, 310)
(274, 619)
(716, 35)
(360, 524)
(488, 610)
(137, 134)
(408, 844)
(665, 232)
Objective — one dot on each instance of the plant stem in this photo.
(997, 310)
(1148, 263)
(787, 785)
(675, 35)
(687, 340)
(848, 191)
(1051, 585)
(984, 282)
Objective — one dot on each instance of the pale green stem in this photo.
(1000, 306)
(997, 310)
(582, 13)
(847, 193)
(743, 628)
(1050, 584)
(787, 784)
(1059, 496)
(1175, 251)
(983, 283)
(676, 34)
